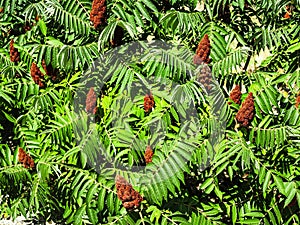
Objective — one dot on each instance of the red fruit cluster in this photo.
(25, 159)
(118, 35)
(205, 78)
(148, 155)
(246, 112)
(36, 73)
(202, 52)
(91, 101)
(13, 52)
(98, 13)
(130, 198)
(297, 100)
(49, 70)
(235, 94)
(148, 102)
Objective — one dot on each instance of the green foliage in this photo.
(241, 175)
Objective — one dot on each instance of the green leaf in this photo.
(294, 47)
(43, 27)
(249, 221)
(290, 197)
(266, 182)
(279, 183)
(207, 182)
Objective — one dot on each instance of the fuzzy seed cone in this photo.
(13, 52)
(25, 159)
(37, 75)
(52, 73)
(148, 102)
(1, 9)
(246, 112)
(148, 155)
(130, 198)
(202, 52)
(235, 94)
(91, 101)
(98, 13)
(297, 101)
(118, 35)
(205, 78)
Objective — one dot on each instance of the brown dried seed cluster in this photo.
(205, 78)
(13, 52)
(130, 198)
(37, 75)
(202, 52)
(235, 94)
(297, 100)
(246, 112)
(91, 101)
(98, 13)
(148, 102)
(25, 159)
(148, 155)
(118, 35)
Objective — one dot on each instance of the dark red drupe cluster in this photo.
(13, 52)
(202, 52)
(91, 101)
(205, 78)
(235, 94)
(25, 159)
(148, 102)
(130, 198)
(297, 100)
(98, 13)
(246, 112)
(37, 74)
(148, 155)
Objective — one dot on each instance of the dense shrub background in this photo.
(253, 175)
